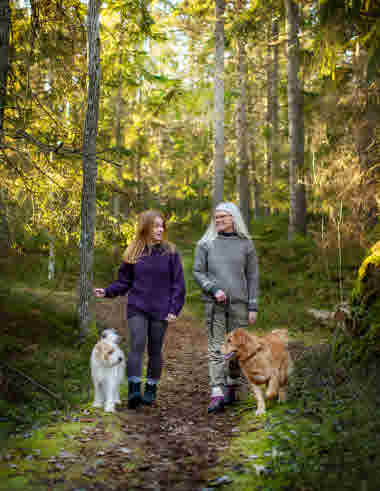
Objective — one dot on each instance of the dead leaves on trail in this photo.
(170, 446)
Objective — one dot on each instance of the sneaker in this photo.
(230, 395)
(216, 404)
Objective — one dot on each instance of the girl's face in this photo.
(224, 222)
(157, 230)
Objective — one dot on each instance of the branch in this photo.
(31, 380)
(58, 149)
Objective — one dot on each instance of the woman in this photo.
(152, 275)
(226, 269)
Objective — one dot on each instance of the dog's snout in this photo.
(120, 359)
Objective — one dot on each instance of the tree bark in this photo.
(272, 107)
(5, 26)
(5, 240)
(257, 206)
(242, 132)
(297, 204)
(119, 143)
(119, 106)
(88, 208)
(219, 159)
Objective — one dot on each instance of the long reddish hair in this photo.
(143, 236)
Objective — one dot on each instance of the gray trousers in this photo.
(143, 329)
(220, 321)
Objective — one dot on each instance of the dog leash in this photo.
(226, 315)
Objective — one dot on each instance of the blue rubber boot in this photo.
(134, 394)
(150, 394)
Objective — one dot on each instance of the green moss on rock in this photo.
(365, 300)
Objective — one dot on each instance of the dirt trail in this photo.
(176, 440)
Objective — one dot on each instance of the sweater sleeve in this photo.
(252, 271)
(200, 270)
(178, 288)
(123, 283)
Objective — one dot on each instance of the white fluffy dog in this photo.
(107, 370)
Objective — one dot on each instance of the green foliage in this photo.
(364, 327)
(40, 339)
(322, 439)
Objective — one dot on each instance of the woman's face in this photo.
(157, 230)
(224, 222)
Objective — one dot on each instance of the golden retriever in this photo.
(263, 360)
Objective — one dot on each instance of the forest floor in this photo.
(325, 437)
(170, 446)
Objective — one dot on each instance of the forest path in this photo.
(171, 445)
(181, 441)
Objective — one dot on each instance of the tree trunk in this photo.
(5, 241)
(118, 130)
(275, 106)
(297, 205)
(219, 163)
(5, 25)
(51, 262)
(255, 184)
(88, 209)
(272, 107)
(118, 138)
(242, 133)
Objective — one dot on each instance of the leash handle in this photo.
(226, 315)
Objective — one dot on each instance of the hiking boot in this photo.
(230, 395)
(216, 405)
(134, 394)
(150, 394)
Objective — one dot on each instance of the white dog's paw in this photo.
(109, 408)
(97, 404)
(260, 411)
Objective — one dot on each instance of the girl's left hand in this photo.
(171, 318)
(252, 317)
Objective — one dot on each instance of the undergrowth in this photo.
(42, 366)
(324, 438)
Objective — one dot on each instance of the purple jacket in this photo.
(155, 284)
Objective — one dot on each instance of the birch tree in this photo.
(89, 166)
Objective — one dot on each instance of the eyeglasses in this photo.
(223, 217)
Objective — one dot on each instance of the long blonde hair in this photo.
(143, 236)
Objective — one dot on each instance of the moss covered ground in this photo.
(324, 437)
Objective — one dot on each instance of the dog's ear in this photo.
(239, 336)
(252, 346)
(98, 349)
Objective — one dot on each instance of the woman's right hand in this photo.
(99, 292)
(220, 296)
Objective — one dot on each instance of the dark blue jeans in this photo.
(142, 328)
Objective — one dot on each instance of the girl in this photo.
(152, 276)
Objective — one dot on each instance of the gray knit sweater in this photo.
(228, 263)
